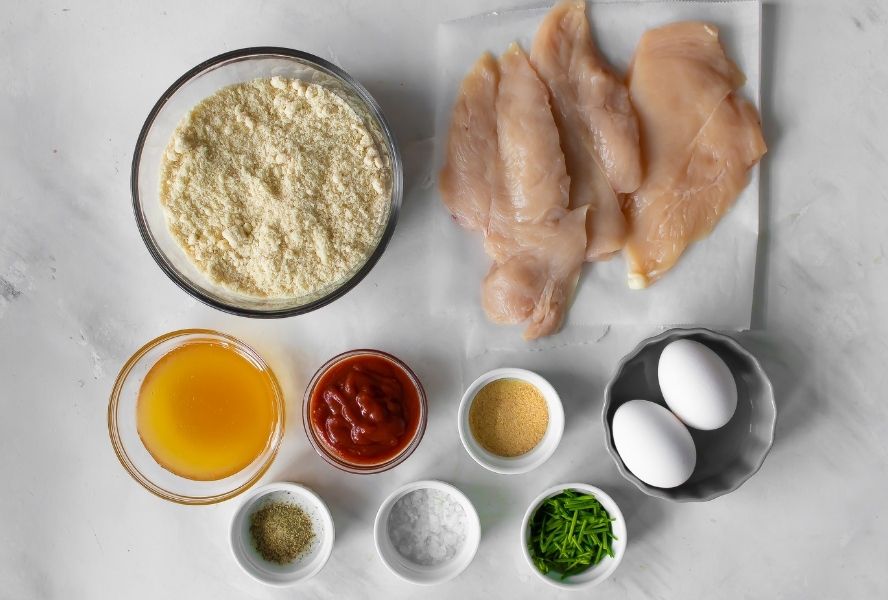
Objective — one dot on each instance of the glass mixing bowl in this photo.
(136, 459)
(202, 81)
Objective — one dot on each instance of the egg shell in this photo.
(697, 385)
(654, 444)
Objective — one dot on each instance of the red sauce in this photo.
(365, 409)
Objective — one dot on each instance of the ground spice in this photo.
(281, 531)
(509, 417)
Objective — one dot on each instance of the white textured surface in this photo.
(79, 293)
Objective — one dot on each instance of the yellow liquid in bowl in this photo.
(205, 411)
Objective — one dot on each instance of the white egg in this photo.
(654, 444)
(697, 385)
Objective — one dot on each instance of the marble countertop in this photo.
(79, 293)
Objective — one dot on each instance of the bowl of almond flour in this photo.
(266, 182)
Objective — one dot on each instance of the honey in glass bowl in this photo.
(205, 411)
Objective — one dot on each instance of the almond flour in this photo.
(275, 188)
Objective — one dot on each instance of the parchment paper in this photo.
(712, 284)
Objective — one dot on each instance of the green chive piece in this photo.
(570, 532)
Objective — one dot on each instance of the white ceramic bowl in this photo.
(302, 568)
(421, 574)
(535, 457)
(593, 575)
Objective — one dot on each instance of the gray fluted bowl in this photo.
(726, 457)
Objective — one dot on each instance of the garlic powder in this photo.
(274, 188)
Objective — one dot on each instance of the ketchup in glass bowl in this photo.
(364, 411)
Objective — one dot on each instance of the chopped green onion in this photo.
(569, 533)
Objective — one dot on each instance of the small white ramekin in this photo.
(420, 574)
(302, 568)
(595, 574)
(535, 457)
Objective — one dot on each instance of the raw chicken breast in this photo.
(537, 243)
(535, 183)
(467, 179)
(699, 142)
(598, 127)
(538, 281)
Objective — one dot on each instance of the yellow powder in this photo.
(509, 417)
(275, 188)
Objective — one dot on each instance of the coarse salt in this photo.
(427, 527)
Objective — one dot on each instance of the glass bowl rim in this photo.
(323, 66)
(119, 449)
(340, 463)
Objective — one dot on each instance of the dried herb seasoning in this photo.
(281, 532)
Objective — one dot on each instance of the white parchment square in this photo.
(712, 284)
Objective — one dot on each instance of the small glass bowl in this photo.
(328, 453)
(204, 80)
(136, 459)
